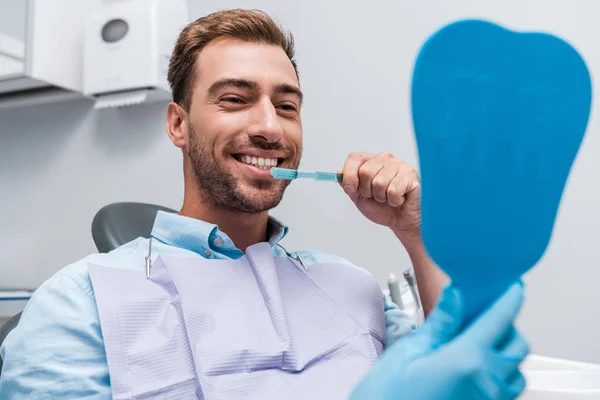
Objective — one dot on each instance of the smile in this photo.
(265, 163)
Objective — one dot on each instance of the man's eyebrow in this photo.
(252, 85)
(238, 83)
(286, 88)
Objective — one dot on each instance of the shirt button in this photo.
(218, 242)
(207, 253)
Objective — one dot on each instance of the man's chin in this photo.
(263, 187)
(262, 199)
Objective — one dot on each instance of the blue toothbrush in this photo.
(291, 174)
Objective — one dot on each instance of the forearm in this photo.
(430, 278)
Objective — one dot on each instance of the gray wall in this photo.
(59, 164)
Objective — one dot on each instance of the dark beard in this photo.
(220, 188)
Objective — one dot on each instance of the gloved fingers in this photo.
(516, 347)
(398, 325)
(445, 319)
(510, 389)
(491, 386)
(506, 338)
(505, 363)
(491, 327)
(516, 385)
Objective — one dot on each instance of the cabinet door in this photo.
(13, 24)
(13, 28)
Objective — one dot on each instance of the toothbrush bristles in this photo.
(284, 173)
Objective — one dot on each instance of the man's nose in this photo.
(265, 123)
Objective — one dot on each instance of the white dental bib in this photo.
(259, 327)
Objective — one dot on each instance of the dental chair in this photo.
(112, 226)
(119, 223)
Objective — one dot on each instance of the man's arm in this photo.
(388, 192)
(56, 351)
(430, 278)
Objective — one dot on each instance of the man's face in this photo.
(244, 119)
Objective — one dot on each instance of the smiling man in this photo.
(228, 312)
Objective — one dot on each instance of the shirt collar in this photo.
(199, 236)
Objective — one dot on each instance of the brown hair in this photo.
(248, 25)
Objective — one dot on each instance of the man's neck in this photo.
(244, 230)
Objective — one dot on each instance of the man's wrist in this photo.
(412, 242)
(430, 278)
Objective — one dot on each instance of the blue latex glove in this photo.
(442, 361)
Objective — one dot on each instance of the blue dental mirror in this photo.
(499, 117)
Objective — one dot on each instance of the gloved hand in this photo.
(442, 361)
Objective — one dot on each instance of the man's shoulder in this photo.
(127, 256)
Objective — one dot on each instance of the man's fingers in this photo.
(382, 177)
(406, 185)
(492, 326)
(366, 173)
(369, 171)
(353, 163)
(399, 187)
(380, 185)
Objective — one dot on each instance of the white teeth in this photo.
(261, 162)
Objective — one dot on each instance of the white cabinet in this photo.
(41, 48)
(13, 16)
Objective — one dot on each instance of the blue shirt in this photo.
(57, 351)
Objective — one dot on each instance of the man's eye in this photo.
(233, 100)
(288, 107)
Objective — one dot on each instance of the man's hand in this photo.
(386, 191)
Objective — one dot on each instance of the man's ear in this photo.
(177, 124)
